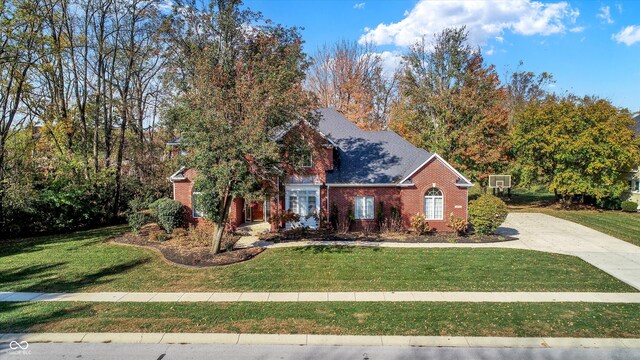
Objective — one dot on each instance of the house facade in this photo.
(357, 172)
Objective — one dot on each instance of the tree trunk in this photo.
(218, 226)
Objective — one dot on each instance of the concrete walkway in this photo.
(534, 232)
(401, 296)
(303, 339)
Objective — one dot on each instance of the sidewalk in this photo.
(303, 339)
(420, 296)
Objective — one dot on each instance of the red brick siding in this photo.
(343, 198)
(435, 172)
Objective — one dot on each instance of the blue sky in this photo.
(590, 47)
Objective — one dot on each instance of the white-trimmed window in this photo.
(196, 211)
(634, 185)
(363, 207)
(303, 202)
(434, 204)
(306, 158)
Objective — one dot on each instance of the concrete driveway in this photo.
(547, 233)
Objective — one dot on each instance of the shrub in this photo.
(138, 204)
(136, 220)
(395, 213)
(201, 235)
(420, 224)
(458, 224)
(487, 213)
(629, 206)
(334, 215)
(380, 214)
(285, 217)
(170, 214)
(179, 232)
(158, 236)
(391, 225)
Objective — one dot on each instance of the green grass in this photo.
(84, 261)
(423, 318)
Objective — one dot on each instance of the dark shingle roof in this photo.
(368, 156)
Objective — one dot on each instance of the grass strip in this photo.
(437, 319)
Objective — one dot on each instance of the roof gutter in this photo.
(368, 185)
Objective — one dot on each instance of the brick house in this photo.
(356, 170)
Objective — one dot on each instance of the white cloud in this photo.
(629, 35)
(500, 39)
(619, 7)
(490, 52)
(391, 61)
(605, 15)
(359, 5)
(484, 19)
(577, 29)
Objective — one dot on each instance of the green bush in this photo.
(170, 214)
(136, 220)
(138, 204)
(629, 206)
(487, 213)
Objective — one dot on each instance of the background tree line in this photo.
(91, 91)
(445, 98)
(80, 93)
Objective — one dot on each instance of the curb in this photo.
(321, 340)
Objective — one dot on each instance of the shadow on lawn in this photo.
(45, 278)
(32, 321)
(330, 249)
(29, 245)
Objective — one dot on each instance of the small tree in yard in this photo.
(240, 81)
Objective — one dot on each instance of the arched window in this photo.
(433, 204)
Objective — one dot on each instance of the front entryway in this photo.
(256, 211)
(303, 200)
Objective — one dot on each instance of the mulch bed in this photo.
(182, 250)
(400, 237)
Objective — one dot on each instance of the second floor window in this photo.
(306, 158)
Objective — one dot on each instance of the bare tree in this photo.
(350, 78)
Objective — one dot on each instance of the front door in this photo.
(257, 210)
(254, 211)
(304, 201)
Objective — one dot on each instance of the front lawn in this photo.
(424, 318)
(84, 261)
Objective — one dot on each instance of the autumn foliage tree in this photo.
(241, 81)
(578, 147)
(452, 103)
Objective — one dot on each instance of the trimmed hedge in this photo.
(170, 213)
(487, 213)
(629, 206)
